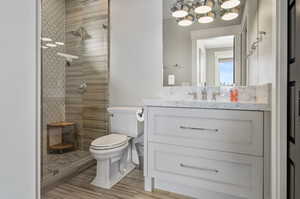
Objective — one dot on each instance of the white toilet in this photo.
(114, 151)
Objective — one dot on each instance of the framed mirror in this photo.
(205, 43)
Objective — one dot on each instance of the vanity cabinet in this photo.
(207, 153)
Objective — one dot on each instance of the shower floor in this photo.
(62, 165)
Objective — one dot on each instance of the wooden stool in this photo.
(62, 146)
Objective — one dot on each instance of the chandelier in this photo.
(187, 12)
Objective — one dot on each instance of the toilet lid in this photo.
(109, 141)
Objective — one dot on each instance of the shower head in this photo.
(80, 32)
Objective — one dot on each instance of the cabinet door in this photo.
(222, 130)
(230, 175)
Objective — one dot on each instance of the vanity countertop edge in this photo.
(251, 106)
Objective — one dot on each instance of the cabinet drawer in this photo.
(223, 130)
(231, 174)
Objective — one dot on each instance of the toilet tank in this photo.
(123, 121)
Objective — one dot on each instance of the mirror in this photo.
(204, 43)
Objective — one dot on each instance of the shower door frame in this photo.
(39, 106)
(39, 94)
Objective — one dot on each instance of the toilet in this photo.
(115, 152)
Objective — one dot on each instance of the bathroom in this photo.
(156, 99)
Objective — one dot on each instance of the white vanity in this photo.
(198, 143)
(207, 150)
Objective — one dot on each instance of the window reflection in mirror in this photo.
(216, 60)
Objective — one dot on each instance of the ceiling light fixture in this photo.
(203, 7)
(230, 14)
(186, 21)
(180, 9)
(205, 11)
(228, 4)
(206, 18)
(44, 47)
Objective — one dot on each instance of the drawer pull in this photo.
(199, 168)
(198, 129)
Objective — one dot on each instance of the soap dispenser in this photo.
(234, 95)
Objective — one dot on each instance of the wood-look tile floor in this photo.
(130, 187)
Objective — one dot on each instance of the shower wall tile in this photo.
(88, 108)
(62, 100)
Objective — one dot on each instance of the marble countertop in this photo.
(207, 104)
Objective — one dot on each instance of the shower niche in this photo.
(74, 83)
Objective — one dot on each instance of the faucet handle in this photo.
(215, 94)
(194, 94)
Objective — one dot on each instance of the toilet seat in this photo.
(109, 142)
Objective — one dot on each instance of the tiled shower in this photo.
(74, 90)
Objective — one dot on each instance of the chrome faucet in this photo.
(194, 94)
(215, 94)
(204, 93)
(82, 87)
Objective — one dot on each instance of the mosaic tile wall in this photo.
(53, 68)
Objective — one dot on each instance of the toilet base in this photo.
(107, 182)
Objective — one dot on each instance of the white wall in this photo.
(136, 51)
(18, 99)
(177, 49)
(251, 14)
(266, 47)
(260, 18)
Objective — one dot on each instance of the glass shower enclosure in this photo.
(75, 83)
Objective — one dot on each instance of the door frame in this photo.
(279, 103)
(39, 99)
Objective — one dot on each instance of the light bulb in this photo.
(228, 4)
(180, 13)
(180, 9)
(230, 14)
(186, 21)
(202, 7)
(206, 18)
